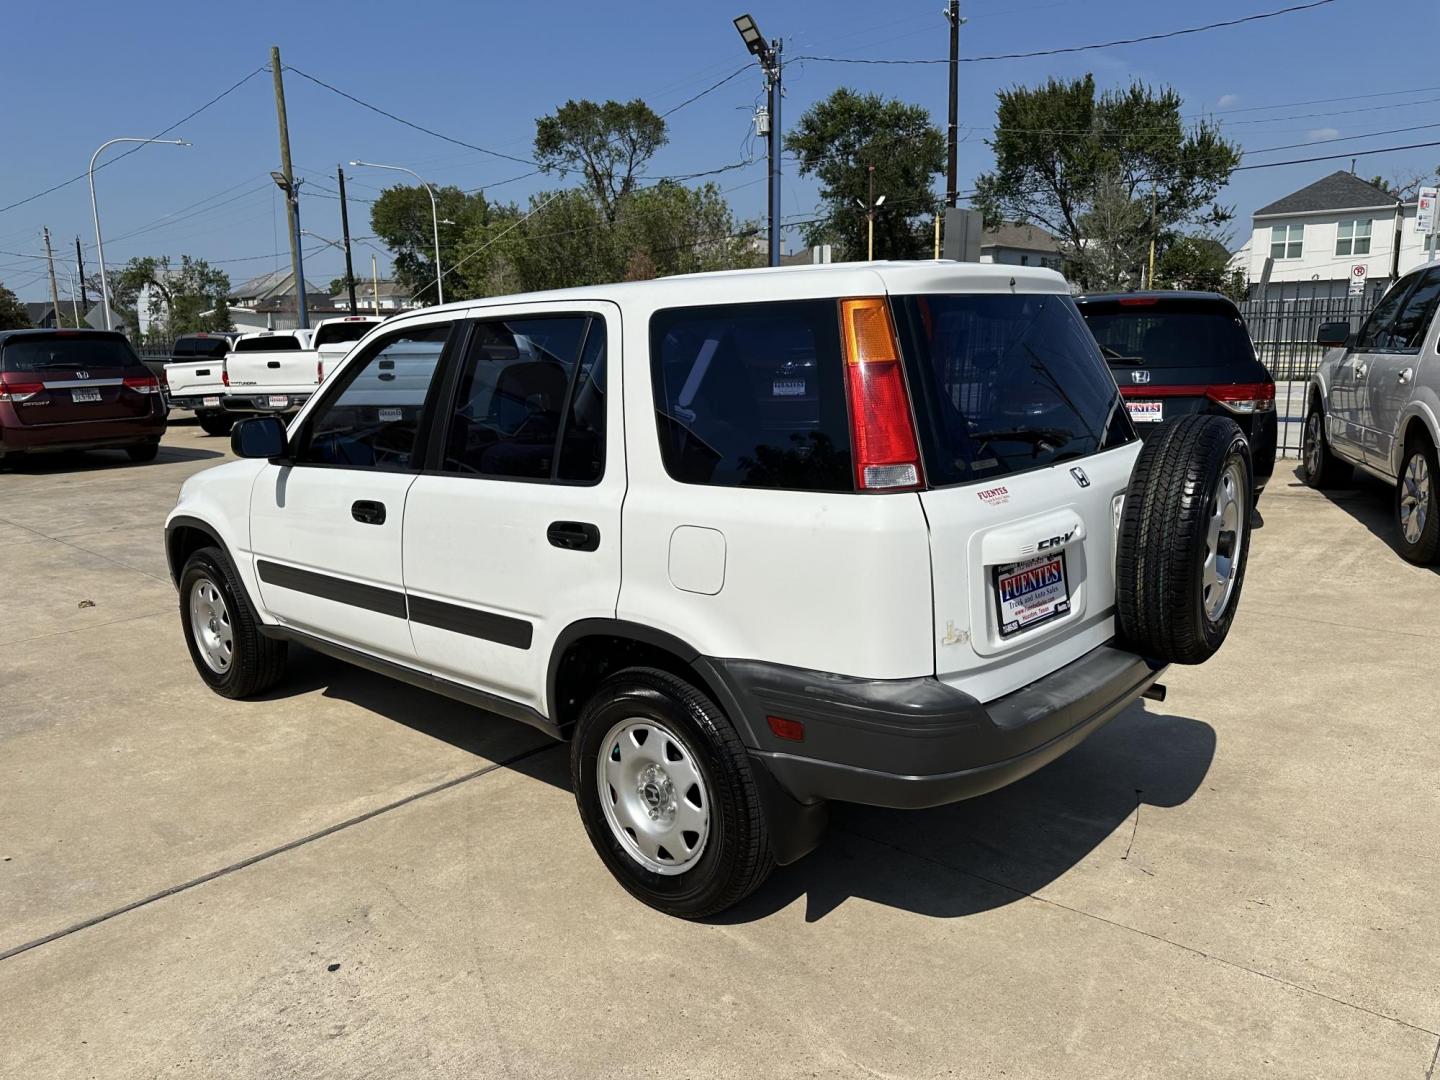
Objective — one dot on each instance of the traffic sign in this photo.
(1357, 279)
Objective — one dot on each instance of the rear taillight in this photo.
(319, 371)
(1237, 397)
(13, 389)
(142, 384)
(882, 432)
(224, 377)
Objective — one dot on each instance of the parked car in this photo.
(194, 379)
(888, 537)
(334, 338)
(1180, 353)
(185, 348)
(76, 390)
(270, 371)
(1374, 405)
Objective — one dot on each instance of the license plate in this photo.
(278, 401)
(89, 393)
(1146, 412)
(787, 388)
(212, 402)
(1031, 592)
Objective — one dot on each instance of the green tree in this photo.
(837, 141)
(1060, 149)
(609, 145)
(402, 218)
(13, 315)
(1199, 262)
(182, 299)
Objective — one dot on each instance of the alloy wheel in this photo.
(1223, 540)
(1414, 497)
(210, 626)
(654, 796)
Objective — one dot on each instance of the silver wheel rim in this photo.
(1311, 450)
(1414, 498)
(1223, 540)
(210, 626)
(653, 795)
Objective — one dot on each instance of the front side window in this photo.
(531, 401)
(1412, 322)
(752, 395)
(1353, 237)
(373, 418)
(1375, 335)
(1286, 241)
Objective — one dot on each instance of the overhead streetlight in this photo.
(750, 34)
(95, 211)
(434, 218)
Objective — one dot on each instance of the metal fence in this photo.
(1284, 336)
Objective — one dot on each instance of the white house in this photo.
(1020, 245)
(1313, 240)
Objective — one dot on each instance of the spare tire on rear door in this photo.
(1184, 538)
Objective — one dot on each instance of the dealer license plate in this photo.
(1146, 412)
(89, 393)
(212, 402)
(278, 401)
(1031, 592)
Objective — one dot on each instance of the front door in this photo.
(1392, 376)
(326, 527)
(1348, 408)
(517, 532)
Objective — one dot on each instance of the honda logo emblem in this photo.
(82, 374)
(1080, 477)
(1139, 376)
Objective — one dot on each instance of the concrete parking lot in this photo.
(354, 878)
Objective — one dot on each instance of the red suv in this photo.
(76, 390)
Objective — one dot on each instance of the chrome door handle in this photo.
(1404, 377)
(1361, 371)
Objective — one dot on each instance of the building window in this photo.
(1286, 240)
(1353, 238)
(1429, 241)
(1024, 260)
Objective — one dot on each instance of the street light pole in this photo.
(434, 219)
(768, 53)
(95, 212)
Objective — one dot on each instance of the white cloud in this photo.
(1317, 134)
(1226, 100)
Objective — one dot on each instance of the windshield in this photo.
(1169, 334)
(31, 353)
(339, 333)
(279, 343)
(1005, 384)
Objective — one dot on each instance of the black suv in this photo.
(1175, 353)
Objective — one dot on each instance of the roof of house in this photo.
(271, 284)
(1014, 234)
(1338, 191)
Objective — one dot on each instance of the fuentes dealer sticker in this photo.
(1031, 592)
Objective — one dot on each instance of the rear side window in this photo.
(278, 343)
(339, 333)
(752, 395)
(1004, 384)
(66, 352)
(1169, 334)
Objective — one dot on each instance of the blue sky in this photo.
(482, 72)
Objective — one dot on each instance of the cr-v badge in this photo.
(1080, 477)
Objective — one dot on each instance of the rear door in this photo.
(1028, 452)
(1391, 378)
(77, 377)
(1350, 425)
(515, 530)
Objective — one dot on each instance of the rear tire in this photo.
(144, 451)
(215, 423)
(1417, 503)
(1184, 539)
(222, 630)
(1319, 467)
(666, 792)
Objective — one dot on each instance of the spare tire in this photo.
(1184, 539)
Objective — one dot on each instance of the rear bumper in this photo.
(262, 403)
(920, 742)
(195, 402)
(87, 435)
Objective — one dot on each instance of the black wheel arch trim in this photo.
(185, 521)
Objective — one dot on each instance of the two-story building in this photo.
(1016, 244)
(1309, 244)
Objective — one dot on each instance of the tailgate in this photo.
(288, 371)
(195, 377)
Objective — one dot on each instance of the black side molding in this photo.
(502, 629)
(354, 593)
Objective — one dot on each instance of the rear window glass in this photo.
(752, 395)
(82, 351)
(338, 333)
(278, 343)
(1005, 384)
(190, 348)
(1169, 335)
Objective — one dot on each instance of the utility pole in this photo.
(768, 53)
(345, 238)
(54, 289)
(952, 187)
(870, 206)
(375, 277)
(292, 193)
(1151, 281)
(80, 273)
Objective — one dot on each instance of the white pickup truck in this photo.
(277, 371)
(193, 379)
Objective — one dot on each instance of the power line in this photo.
(709, 89)
(1319, 101)
(1343, 138)
(1080, 48)
(126, 153)
(1333, 157)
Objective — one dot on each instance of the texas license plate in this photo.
(278, 401)
(1031, 592)
(1146, 412)
(212, 402)
(89, 393)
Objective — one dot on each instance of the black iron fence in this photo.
(1284, 336)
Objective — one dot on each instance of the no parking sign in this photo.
(1357, 279)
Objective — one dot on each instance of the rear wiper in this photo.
(1120, 358)
(1038, 437)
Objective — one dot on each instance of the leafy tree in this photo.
(402, 218)
(838, 139)
(1199, 262)
(182, 300)
(13, 315)
(1060, 150)
(608, 144)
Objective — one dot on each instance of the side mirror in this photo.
(1333, 333)
(258, 437)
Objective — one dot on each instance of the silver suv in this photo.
(1374, 405)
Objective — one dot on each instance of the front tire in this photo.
(222, 630)
(1417, 504)
(144, 451)
(1319, 467)
(666, 792)
(215, 423)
